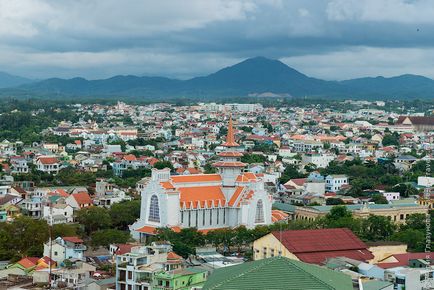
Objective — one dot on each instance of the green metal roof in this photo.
(284, 206)
(277, 273)
(375, 285)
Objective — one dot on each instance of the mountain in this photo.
(8, 80)
(254, 76)
(400, 86)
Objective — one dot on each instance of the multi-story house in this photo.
(58, 214)
(135, 270)
(335, 182)
(19, 165)
(63, 248)
(32, 206)
(48, 164)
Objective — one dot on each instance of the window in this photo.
(218, 215)
(259, 217)
(203, 217)
(154, 210)
(210, 217)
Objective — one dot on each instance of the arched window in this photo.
(154, 210)
(259, 217)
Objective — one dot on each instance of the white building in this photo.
(48, 164)
(318, 159)
(335, 182)
(58, 214)
(229, 198)
(390, 196)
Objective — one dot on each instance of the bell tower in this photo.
(230, 165)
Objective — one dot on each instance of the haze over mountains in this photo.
(253, 76)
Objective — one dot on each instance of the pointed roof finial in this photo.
(230, 138)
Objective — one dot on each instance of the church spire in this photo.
(230, 138)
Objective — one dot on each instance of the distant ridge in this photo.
(258, 76)
(8, 80)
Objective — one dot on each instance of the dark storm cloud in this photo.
(333, 39)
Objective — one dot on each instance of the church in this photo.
(229, 198)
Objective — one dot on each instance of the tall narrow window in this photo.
(210, 217)
(154, 209)
(218, 215)
(259, 217)
(203, 217)
(224, 215)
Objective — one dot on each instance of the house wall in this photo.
(267, 245)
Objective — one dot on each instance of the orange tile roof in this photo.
(245, 177)
(196, 178)
(278, 215)
(230, 154)
(173, 256)
(148, 230)
(230, 138)
(229, 164)
(76, 240)
(48, 160)
(201, 195)
(130, 157)
(28, 262)
(167, 185)
(82, 198)
(236, 194)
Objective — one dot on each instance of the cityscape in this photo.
(242, 172)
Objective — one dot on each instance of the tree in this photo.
(163, 164)
(66, 230)
(109, 236)
(22, 237)
(378, 228)
(415, 221)
(124, 213)
(391, 139)
(93, 219)
(290, 172)
(379, 199)
(334, 201)
(415, 239)
(405, 190)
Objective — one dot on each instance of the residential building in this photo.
(48, 164)
(63, 248)
(335, 182)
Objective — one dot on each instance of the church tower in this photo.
(230, 166)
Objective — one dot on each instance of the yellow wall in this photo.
(382, 252)
(266, 245)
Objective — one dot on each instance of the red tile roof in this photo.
(28, 262)
(82, 198)
(124, 248)
(315, 246)
(48, 160)
(76, 240)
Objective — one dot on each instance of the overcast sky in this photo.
(330, 39)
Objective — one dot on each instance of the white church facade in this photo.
(229, 198)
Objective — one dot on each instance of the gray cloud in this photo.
(333, 39)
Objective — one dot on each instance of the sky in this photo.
(329, 39)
